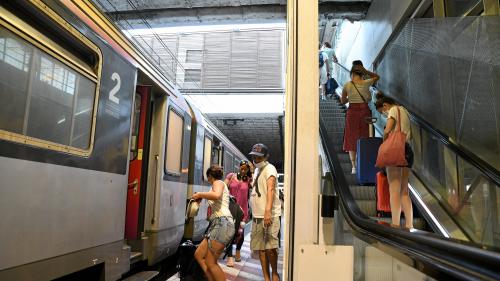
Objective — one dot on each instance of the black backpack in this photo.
(321, 61)
(236, 212)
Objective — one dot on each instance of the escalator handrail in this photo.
(452, 257)
(488, 170)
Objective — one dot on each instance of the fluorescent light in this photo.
(433, 218)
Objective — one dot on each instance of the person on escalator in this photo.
(398, 176)
(331, 84)
(356, 93)
(324, 73)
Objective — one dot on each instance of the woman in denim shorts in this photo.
(221, 230)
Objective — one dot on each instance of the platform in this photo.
(246, 270)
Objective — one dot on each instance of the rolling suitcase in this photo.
(189, 269)
(366, 156)
(383, 196)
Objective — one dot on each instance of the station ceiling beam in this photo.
(160, 13)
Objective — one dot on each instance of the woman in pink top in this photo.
(239, 186)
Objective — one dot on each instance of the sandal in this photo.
(230, 262)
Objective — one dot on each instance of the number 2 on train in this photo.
(116, 88)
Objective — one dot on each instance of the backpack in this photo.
(236, 212)
(321, 61)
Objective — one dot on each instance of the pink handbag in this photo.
(391, 152)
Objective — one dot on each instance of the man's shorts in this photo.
(221, 230)
(264, 238)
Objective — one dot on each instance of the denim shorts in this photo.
(221, 229)
(408, 156)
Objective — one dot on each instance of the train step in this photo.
(142, 276)
(134, 256)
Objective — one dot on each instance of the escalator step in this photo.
(351, 179)
(368, 207)
(418, 223)
(363, 192)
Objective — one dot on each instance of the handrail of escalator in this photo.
(436, 256)
(489, 171)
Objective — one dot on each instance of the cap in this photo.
(259, 150)
(192, 208)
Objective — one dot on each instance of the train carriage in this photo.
(98, 152)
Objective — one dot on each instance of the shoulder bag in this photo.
(391, 152)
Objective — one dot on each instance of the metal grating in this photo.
(448, 71)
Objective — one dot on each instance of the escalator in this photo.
(456, 227)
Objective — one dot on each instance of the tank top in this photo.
(220, 208)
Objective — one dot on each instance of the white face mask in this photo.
(260, 165)
(385, 114)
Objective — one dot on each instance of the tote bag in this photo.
(392, 151)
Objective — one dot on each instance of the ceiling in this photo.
(164, 13)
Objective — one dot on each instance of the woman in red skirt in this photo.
(356, 93)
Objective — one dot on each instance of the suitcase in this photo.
(366, 156)
(188, 267)
(383, 196)
(331, 86)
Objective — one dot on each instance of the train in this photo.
(99, 153)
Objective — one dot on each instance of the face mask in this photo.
(385, 114)
(260, 165)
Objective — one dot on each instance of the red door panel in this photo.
(136, 161)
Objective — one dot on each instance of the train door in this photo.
(136, 161)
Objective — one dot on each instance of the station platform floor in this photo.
(248, 269)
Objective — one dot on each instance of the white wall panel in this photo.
(244, 59)
(369, 38)
(270, 59)
(216, 64)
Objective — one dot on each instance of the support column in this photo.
(301, 132)
(439, 8)
(491, 7)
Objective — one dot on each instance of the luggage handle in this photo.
(371, 120)
(371, 130)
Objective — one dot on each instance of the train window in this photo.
(47, 100)
(236, 164)
(174, 143)
(136, 117)
(207, 154)
(50, 93)
(228, 162)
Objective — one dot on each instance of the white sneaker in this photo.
(353, 171)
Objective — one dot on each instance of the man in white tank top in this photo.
(266, 211)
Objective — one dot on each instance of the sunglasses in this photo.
(243, 162)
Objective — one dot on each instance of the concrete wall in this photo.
(364, 40)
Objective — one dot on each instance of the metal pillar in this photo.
(301, 132)
(491, 7)
(439, 8)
